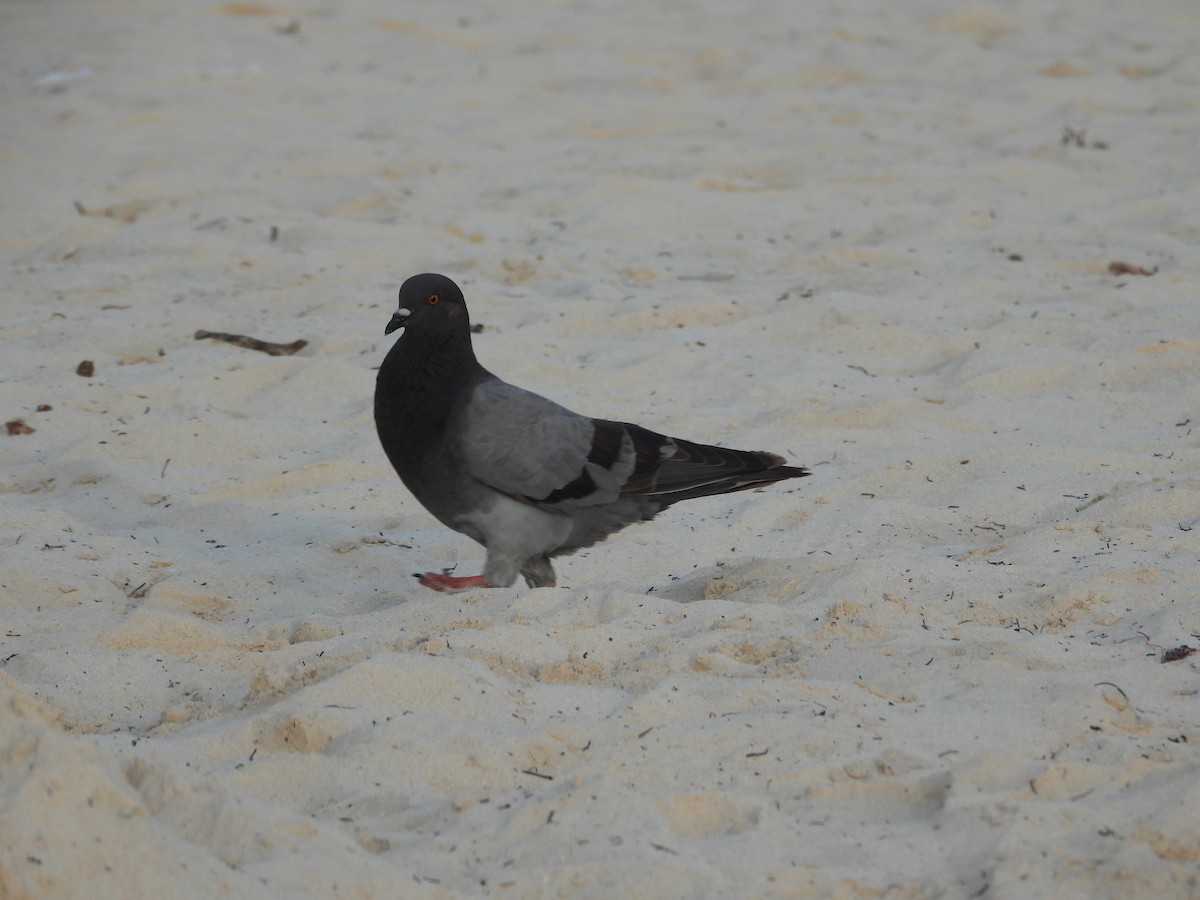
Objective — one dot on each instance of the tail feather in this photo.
(728, 486)
(701, 470)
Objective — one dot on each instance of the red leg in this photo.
(447, 583)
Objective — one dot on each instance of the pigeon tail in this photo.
(730, 485)
(702, 470)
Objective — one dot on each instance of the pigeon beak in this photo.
(399, 318)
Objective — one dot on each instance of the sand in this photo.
(876, 238)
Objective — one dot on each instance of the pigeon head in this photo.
(429, 303)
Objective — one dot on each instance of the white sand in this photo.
(930, 670)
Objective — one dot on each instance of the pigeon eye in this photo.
(433, 298)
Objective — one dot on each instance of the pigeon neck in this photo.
(422, 384)
(447, 358)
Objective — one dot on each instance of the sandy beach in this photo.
(946, 256)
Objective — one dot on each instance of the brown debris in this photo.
(1116, 267)
(1177, 653)
(17, 426)
(241, 340)
(87, 368)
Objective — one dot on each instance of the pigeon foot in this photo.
(450, 584)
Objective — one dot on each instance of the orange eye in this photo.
(433, 298)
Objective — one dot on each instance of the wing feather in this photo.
(529, 447)
(534, 450)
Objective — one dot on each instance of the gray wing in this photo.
(530, 447)
(533, 449)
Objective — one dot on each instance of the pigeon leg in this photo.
(538, 572)
(449, 584)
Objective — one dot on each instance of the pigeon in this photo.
(526, 478)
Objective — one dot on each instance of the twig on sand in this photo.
(241, 340)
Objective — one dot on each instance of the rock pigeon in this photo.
(526, 478)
